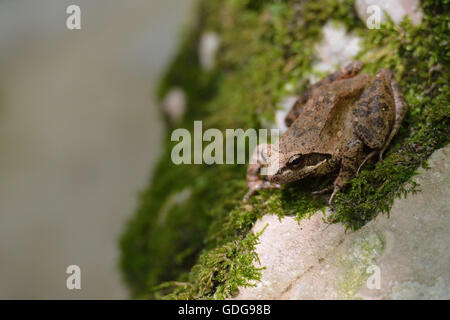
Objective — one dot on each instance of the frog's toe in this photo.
(330, 201)
(273, 186)
(370, 155)
(323, 191)
(258, 186)
(380, 156)
(249, 194)
(252, 189)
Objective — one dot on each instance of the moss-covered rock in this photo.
(202, 248)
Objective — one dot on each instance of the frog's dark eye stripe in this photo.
(315, 158)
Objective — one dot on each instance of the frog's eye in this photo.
(295, 161)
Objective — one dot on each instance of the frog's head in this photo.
(283, 168)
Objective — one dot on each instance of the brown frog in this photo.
(336, 124)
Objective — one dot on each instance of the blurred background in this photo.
(79, 132)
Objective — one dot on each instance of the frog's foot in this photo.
(380, 155)
(333, 188)
(369, 156)
(258, 186)
(330, 201)
(248, 195)
(323, 191)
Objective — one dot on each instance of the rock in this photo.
(337, 48)
(285, 106)
(175, 104)
(208, 46)
(410, 251)
(396, 9)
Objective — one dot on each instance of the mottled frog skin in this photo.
(337, 124)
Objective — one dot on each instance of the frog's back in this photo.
(304, 132)
(324, 123)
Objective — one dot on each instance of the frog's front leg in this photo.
(349, 166)
(255, 180)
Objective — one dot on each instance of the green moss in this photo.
(201, 247)
(220, 271)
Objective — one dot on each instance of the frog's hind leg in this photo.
(349, 166)
(378, 113)
(401, 108)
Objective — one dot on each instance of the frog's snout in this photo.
(274, 171)
(274, 178)
(280, 175)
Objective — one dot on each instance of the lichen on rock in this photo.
(364, 253)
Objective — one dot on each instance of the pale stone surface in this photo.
(396, 9)
(336, 49)
(175, 104)
(285, 106)
(207, 50)
(313, 260)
